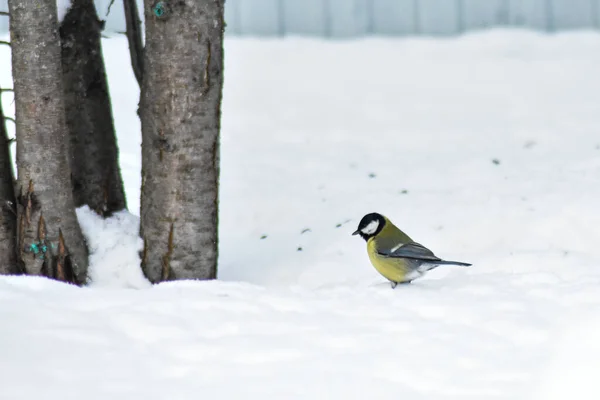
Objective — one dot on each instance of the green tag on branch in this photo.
(39, 248)
(160, 9)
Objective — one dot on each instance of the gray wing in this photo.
(411, 250)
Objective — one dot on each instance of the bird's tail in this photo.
(444, 262)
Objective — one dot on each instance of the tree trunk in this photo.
(180, 113)
(134, 38)
(94, 159)
(8, 216)
(49, 239)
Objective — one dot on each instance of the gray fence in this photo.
(350, 18)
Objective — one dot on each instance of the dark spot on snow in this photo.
(299, 248)
(342, 223)
(263, 237)
(304, 231)
(372, 175)
(530, 144)
(495, 161)
(404, 191)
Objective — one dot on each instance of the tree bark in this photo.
(49, 239)
(134, 38)
(8, 215)
(96, 176)
(180, 114)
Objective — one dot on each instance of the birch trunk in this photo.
(96, 175)
(49, 239)
(8, 216)
(180, 114)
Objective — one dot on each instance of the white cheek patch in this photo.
(370, 228)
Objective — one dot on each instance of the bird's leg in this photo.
(394, 284)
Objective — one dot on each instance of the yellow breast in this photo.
(395, 270)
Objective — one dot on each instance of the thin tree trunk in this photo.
(180, 113)
(94, 160)
(8, 216)
(134, 38)
(50, 241)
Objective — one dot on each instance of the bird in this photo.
(394, 254)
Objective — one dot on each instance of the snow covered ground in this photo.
(485, 148)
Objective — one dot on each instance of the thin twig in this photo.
(6, 90)
(4, 14)
(10, 119)
(109, 6)
(3, 42)
(134, 37)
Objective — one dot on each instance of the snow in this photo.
(114, 245)
(484, 148)
(62, 6)
(571, 373)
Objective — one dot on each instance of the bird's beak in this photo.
(356, 232)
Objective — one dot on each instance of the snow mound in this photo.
(114, 246)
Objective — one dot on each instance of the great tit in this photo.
(394, 254)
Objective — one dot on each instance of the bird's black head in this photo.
(370, 225)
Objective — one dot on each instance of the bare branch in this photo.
(134, 37)
(10, 119)
(6, 90)
(109, 6)
(4, 14)
(3, 42)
